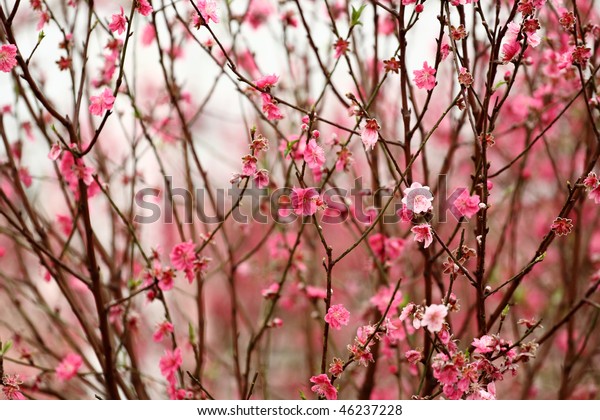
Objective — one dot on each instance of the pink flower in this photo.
(423, 234)
(276, 323)
(591, 181)
(11, 387)
(562, 226)
(314, 155)
(467, 205)
(101, 103)
(417, 199)
(405, 214)
(249, 165)
(425, 78)
(179, 394)
(313, 292)
(25, 177)
(258, 12)
(119, 23)
(266, 82)
(344, 160)
(304, 201)
(407, 311)
(166, 279)
(8, 57)
(361, 355)
(337, 316)
(433, 318)
(382, 299)
(484, 394)
(595, 195)
(208, 10)
(148, 35)
(44, 18)
(75, 169)
(162, 329)
(270, 291)
(413, 356)
(323, 387)
(510, 50)
(370, 133)
(270, 108)
(55, 152)
(170, 363)
(341, 47)
(261, 177)
(144, 7)
(183, 257)
(580, 55)
(336, 368)
(485, 344)
(68, 367)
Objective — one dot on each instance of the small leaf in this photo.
(505, 311)
(500, 83)
(289, 147)
(41, 36)
(6, 347)
(302, 396)
(540, 258)
(133, 284)
(356, 15)
(191, 333)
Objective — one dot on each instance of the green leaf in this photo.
(500, 83)
(41, 36)
(289, 147)
(505, 311)
(133, 284)
(191, 333)
(302, 396)
(355, 20)
(6, 347)
(540, 258)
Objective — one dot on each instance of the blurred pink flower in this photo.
(162, 329)
(68, 367)
(55, 152)
(119, 22)
(144, 7)
(170, 363)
